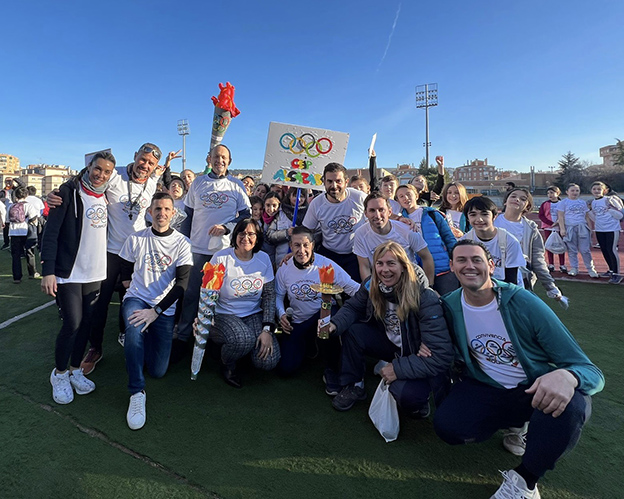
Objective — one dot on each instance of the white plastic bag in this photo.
(555, 244)
(384, 414)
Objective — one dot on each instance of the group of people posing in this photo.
(520, 369)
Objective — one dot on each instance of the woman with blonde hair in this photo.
(391, 317)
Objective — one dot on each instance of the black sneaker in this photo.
(348, 396)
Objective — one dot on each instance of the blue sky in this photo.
(520, 82)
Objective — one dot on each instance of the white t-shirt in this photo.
(516, 229)
(156, 259)
(295, 282)
(21, 228)
(416, 217)
(366, 240)
(127, 204)
(453, 217)
(36, 202)
(513, 254)
(490, 345)
(90, 263)
(241, 292)
(338, 221)
(214, 202)
(393, 324)
(396, 207)
(574, 210)
(3, 213)
(605, 215)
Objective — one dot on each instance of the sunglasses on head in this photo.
(149, 149)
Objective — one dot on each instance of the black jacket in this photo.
(61, 236)
(425, 325)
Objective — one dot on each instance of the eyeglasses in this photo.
(250, 235)
(149, 149)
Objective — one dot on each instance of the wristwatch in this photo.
(158, 310)
(266, 329)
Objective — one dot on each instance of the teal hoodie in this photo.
(541, 341)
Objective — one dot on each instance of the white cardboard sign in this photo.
(296, 155)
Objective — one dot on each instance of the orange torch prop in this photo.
(208, 296)
(327, 288)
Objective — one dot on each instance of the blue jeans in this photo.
(150, 348)
(474, 411)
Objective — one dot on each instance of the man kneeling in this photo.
(159, 260)
(520, 364)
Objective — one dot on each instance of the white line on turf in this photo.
(26, 314)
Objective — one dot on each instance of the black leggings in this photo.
(608, 242)
(77, 302)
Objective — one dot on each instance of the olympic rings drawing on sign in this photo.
(304, 145)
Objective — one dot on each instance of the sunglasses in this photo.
(149, 149)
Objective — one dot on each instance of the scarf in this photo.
(388, 293)
(302, 267)
(267, 219)
(86, 183)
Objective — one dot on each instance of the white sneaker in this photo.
(136, 411)
(593, 273)
(514, 487)
(61, 387)
(514, 439)
(81, 384)
(573, 272)
(377, 369)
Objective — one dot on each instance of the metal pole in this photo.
(183, 152)
(427, 125)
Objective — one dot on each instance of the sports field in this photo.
(275, 438)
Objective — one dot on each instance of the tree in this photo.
(619, 155)
(431, 173)
(571, 171)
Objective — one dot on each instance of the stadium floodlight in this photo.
(184, 130)
(426, 97)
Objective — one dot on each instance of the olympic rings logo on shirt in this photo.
(97, 213)
(217, 199)
(495, 352)
(307, 141)
(156, 262)
(342, 224)
(246, 285)
(303, 292)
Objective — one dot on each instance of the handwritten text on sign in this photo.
(296, 156)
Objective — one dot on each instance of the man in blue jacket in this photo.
(520, 364)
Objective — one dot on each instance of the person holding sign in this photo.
(337, 214)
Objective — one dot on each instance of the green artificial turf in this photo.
(275, 438)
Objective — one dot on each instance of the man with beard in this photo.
(129, 192)
(337, 215)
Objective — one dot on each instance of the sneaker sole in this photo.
(329, 391)
(82, 392)
(349, 407)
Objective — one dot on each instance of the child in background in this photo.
(548, 217)
(518, 202)
(257, 208)
(261, 190)
(389, 185)
(360, 183)
(503, 246)
(272, 202)
(454, 197)
(279, 232)
(572, 215)
(606, 212)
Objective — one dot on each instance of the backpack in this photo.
(17, 213)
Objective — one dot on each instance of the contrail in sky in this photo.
(396, 18)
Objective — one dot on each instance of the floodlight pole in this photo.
(183, 129)
(427, 96)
